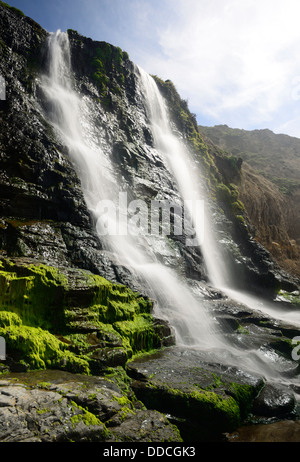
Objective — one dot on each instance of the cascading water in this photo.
(69, 115)
(188, 179)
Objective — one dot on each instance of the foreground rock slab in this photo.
(204, 398)
(55, 406)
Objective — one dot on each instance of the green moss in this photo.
(38, 301)
(238, 207)
(84, 416)
(224, 193)
(108, 70)
(243, 395)
(38, 348)
(213, 405)
(35, 293)
(290, 297)
(44, 385)
(43, 411)
(126, 407)
(40, 296)
(210, 410)
(242, 330)
(119, 376)
(139, 333)
(227, 195)
(12, 8)
(241, 219)
(8, 319)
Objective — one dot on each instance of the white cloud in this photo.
(232, 58)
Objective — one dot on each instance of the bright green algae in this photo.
(50, 316)
(39, 304)
(39, 349)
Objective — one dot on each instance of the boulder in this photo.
(203, 398)
(54, 406)
(274, 400)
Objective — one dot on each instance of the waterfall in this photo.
(70, 117)
(186, 175)
(188, 179)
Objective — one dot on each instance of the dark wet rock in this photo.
(274, 400)
(146, 426)
(40, 190)
(203, 397)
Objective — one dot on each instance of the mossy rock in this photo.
(70, 318)
(290, 297)
(12, 8)
(204, 399)
(37, 348)
(140, 332)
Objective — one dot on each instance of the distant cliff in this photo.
(269, 187)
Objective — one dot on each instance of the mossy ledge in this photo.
(12, 8)
(207, 410)
(71, 319)
(204, 402)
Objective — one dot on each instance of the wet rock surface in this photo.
(202, 396)
(53, 406)
(286, 431)
(274, 400)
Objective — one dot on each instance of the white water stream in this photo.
(70, 116)
(188, 180)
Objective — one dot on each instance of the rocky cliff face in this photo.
(67, 303)
(44, 214)
(269, 187)
(267, 208)
(42, 207)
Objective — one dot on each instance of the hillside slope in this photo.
(269, 187)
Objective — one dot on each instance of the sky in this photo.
(236, 62)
